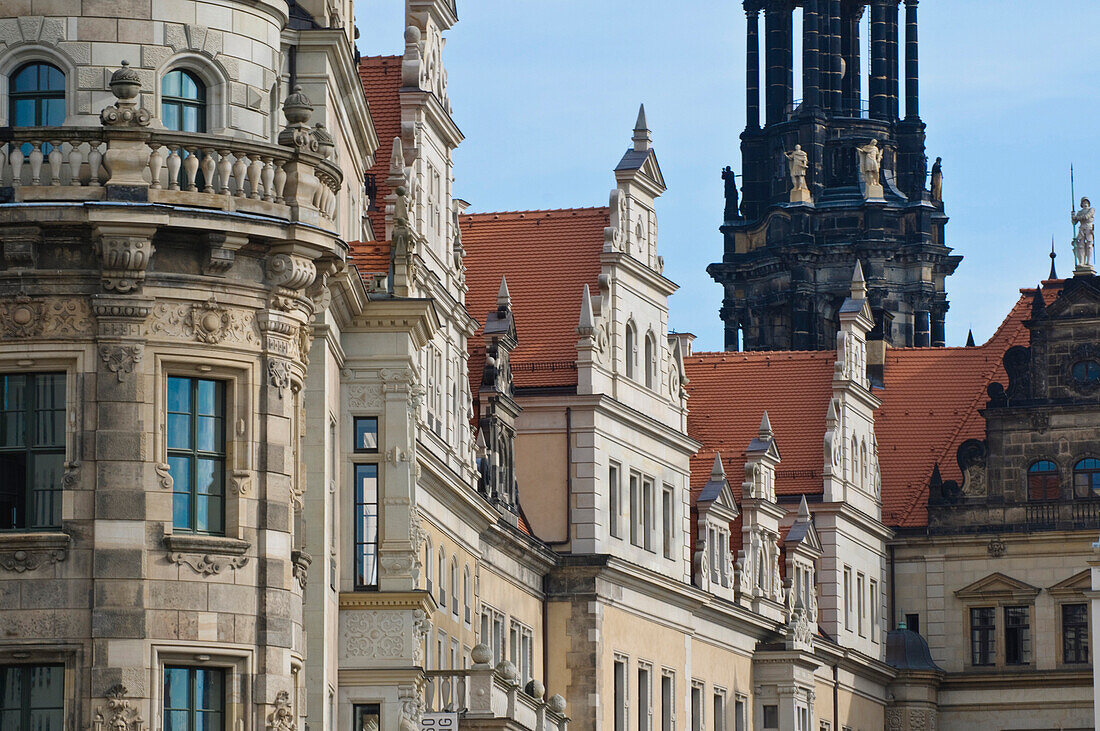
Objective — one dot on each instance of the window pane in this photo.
(170, 86)
(191, 119)
(46, 490)
(53, 113)
(47, 687)
(209, 514)
(208, 397)
(13, 479)
(170, 115)
(11, 687)
(26, 79)
(181, 510)
(209, 689)
(366, 527)
(179, 394)
(366, 434)
(53, 78)
(188, 88)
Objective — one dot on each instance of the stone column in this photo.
(834, 57)
(850, 49)
(880, 103)
(811, 71)
(892, 53)
(938, 317)
(752, 70)
(777, 26)
(912, 85)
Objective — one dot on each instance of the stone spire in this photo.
(586, 324)
(859, 284)
(803, 511)
(1038, 304)
(765, 427)
(718, 472)
(504, 299)
(643, 139)
(970, 339)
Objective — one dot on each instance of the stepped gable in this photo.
(547, 257)
(381, 78)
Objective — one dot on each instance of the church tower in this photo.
(831, 178)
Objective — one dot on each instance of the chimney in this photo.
(685, 340)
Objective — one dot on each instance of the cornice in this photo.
(438, 116)
(417, 317)
(422, 600)
(627, 262)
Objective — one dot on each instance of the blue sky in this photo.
(546, 94)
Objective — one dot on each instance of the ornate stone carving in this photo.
(23, 560)
(67, 318)
(22, 317)
(364, 397)
(124, 256)
(125, 85)
(996, 547)
(164, 476)
(120, 317)
(278, 375)
(210, 321)
(207, 564)
(300, 561)
(290, 272)
(121, 359)
(118, 714)
(219, 257)
(71, 478)
(374, 634)
(411, 708)
(282, 718)
(241, 481)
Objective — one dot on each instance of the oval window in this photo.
(1086, 372)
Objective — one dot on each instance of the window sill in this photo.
(27, 550)
(218, 545)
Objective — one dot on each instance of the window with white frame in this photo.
(847, 598)
(859, 602)
(521, 641)
(636, 526)
(442, 579)
(698, 717)
(668, 700)
(647, 513)
(614, 491)
(650, 361)
(645, 697)
(631, 354)
(454, 585)
(873, 614)
(466, 595)
(719, 709)
(492, 631)
(441, 651)
(740, 713)
(621, 692)
(429, 563)
(668, 521)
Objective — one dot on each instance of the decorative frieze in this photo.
(207, 564)
(209, 321)
(364, 397)
(375, 634)
(22, 317)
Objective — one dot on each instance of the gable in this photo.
(1074, 585)
(1080, 297)
(997, 586)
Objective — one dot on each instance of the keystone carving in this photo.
(278, 375)
(124, 256)
(120, 359)
(118, 714)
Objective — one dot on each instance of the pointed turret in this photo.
(859, 284)
(1053, 255)
(803, 511)
(397, 159)
(717, 472)
(970, 338)
(504, 300)
(643, 139)
(765, 427)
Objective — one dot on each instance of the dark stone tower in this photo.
(789, 254)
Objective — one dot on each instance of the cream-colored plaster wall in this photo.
(542, 474)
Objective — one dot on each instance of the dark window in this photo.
(32, 697)
(619, 693)
(196, 454)
(183, 102)
(983, 623)
(194, 699)
(32, 450)
(366, 528)
(912, 622)
(366, 717)
(1017, 635)
(1086, 478)
(771, 716)
(1042, 481)
(366, 434)
(1086, 372)
(1075, 633)
(37, 96)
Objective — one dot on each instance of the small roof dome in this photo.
(907, 650)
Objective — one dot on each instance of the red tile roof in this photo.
(547, 257)
(381, 78)
(370, 257)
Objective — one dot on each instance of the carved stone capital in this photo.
(124, 252)
(290, 272)
(120, 317)
(21, 246)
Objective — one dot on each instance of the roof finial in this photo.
(717, 472)
(859, 284)
(642, 137)
(1053, 273)
(1038, 304)
(803, 511)
(504, 300)
(765, 426)
(586, 324)
(970, 338)
(397, 158)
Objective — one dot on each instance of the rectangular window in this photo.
(441, 651)
(366, 526)
(615, 499)
(696, 707)
(32, 450)
(196, 454)
(668, 518)
(635, 509)
(645, 699)
(668, 701)
(1017, 635)
(983, 625)
(521, 647)
(1075, 633)
(771, 716)
(847, 598)
(859, 604)
(492, 632)
(366, 434)
(32, 697)
(741, 714)
(873, 614)
(719, 710)
(647, 513)
(620, 694)
(368, 716)
(912, 622)
(194, 699)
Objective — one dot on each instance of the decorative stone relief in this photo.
(120, 317)
(996, 547)
(411, 708)
(278, 375)
(182, 320)
(71, 478)
(289, 274)
(374, 634)
(118, 714)
(282, 718)
(207, 564)
(164, 476)
(67, 318)
(22, 317)
(23, 560)
(125, 85)
(121, 359)
(300, 561)
(21, 246)
(241, 481)
(124, 257)
(364, 397)
(209, 321)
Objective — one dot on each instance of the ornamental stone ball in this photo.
(297, 107)
(535, 689)
(412, 34)
(481, 654)
(556, 703)
(125, 82)
(507, 671)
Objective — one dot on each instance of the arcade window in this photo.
(983, 625)
(1017, 635)
(196, 454)
(32, 450)
(1086, 478)
(194, 699)
(1075, 633)
(1042, 481)
(32, 697)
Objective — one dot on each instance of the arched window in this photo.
(466, 594)
(863, 464)
(631, 349)
(183, 101)
(650, 360)
(454, 586)
(855, 461)
(37, 96)
(428, 566)
(1086, 478)
(442, 579)
(1042, 481)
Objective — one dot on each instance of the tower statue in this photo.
(798, 163)
(1084, 219)
(870, 168)
(937, 180)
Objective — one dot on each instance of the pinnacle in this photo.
(503, 298)
(718, 472)
(586, 322)
(642, 137)
(765, 426)
(803, 510)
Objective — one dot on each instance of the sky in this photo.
(546, 94)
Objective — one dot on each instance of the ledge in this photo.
(217, 545)
(33, 540)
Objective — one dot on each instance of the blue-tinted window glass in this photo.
(366, 434)
(194, 699)
(366, 526)
(1086, 478)
(183, 102)
(196, 454)
(37, 96)
(32, 697)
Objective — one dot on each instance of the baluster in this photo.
(55, 158)
(255, 168)
(95, 161)
(174, 163)
(16, 164)
(239, 169)
(36, 163)
(429, 694)
(3, 161)
(280, 182)
(445, 695)
(268, 177)
(76, 159)
(156, 164)
(224, 168)
(462, 702)
(208, 167)
(191, 168)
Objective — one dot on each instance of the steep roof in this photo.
(370, 257)
(381, 79)
(547, 257)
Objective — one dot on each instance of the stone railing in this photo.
(129, 158)
(483, 693)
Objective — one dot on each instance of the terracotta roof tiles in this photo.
(381, 79)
